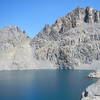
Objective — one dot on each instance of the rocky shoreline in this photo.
(93, 91)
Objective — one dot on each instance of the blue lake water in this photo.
(43, 85)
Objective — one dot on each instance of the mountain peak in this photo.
(86, 15)
(75, 18)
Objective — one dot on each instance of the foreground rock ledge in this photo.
(93, 91)
(95, 74)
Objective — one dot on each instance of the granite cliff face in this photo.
(73, 42)
(16, 52)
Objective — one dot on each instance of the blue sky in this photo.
(32, 15)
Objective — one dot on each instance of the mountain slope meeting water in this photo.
(73, 42)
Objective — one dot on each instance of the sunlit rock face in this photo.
(72, 42)
(15, 51)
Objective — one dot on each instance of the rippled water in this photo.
(43, 85)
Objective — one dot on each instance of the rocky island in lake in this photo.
(72, 42)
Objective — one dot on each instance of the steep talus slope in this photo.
(15, 51)
(72, 41)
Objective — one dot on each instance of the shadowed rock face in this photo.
(72, 41)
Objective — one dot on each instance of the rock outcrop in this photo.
(95, 74)
(72, 42)
(93, 91)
